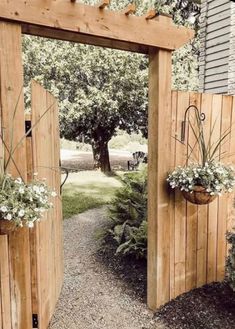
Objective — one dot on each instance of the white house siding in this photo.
(215, 52)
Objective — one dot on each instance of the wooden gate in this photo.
(31, 260)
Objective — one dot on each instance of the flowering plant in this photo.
(200, 183)
(21, 203)
(215, 177)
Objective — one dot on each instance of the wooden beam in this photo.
(103, 4)
(151, 14)
(130, 9)
(81, 38)
(89, 22)
(159, 162)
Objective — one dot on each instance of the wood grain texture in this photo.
(5, 296)
(159, 164)
(91, 21)
(202, 228)
(174, 102)
(226, 115)
(11, 84)
(213, 207)
(192, 209)
(48, 234)
(180, 203)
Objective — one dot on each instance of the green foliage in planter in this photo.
(230, 263)
(128, 214)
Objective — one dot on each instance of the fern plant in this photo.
(128, 214)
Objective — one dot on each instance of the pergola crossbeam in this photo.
(89, 22)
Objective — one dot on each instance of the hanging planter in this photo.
(200, 183)
(22, 204)
(199, 195)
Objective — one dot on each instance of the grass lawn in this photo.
(86, 190)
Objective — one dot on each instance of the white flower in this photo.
(42, 189)
(3, 209)
(35, 173)
(36, 189)
(21, 213)
(21, 190)
(8, 217)
(53, 194)
(30, 224)
(18, 181)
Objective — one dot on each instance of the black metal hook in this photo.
(202, 117)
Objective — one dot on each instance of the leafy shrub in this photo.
(230, 263)
(128, 214)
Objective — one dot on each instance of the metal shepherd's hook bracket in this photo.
(202, 117)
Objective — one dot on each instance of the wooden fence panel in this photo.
(198, 243)
(47, 239)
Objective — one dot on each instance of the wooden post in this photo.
(11, 86)
(158, 167)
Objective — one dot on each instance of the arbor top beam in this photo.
(63, 19)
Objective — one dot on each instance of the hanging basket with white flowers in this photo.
(203, 181)
(21, 204)
(202, 184)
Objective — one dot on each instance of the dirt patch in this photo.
(209, 307)
(132, 272)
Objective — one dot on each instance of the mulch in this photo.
(209, 307)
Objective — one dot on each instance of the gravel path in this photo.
(92, 297)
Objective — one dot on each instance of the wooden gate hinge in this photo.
(35, 320)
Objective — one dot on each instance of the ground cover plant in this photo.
(127, 228)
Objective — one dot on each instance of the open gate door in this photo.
(43, 154)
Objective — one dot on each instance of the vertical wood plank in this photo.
(158, 167)
(5, 284)
(180, 204)
(192, 210)
(231, 160)
(11, 84)
(223, 200)
(213, 207)
(172, 195)
(33, 234)
(202, 229)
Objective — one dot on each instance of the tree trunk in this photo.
(101, 155)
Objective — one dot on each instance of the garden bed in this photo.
(209, 307)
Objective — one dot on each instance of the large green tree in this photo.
(100, 91)
(103, 90)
